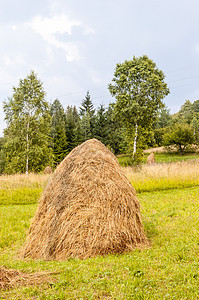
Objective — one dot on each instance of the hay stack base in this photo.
(89, 208)
(151, 159)
(48, 170)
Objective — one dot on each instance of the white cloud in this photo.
(10, 61)
(48, 28)
(88, 31)
(14, 27)
(56, 24)
(197, 48)
(49, 56)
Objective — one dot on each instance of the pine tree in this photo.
(87, 106)
(115, 131)
(101, 125)
(87, 113)
(58, 132)
(72, 128)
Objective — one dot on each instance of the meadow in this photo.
(168, 269)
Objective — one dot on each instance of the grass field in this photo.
(169, 269)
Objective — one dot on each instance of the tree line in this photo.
(40, 134)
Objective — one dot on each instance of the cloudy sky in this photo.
(74, 46)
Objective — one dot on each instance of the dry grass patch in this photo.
(164, 176)
(17, 181)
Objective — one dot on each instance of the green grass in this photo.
(169, 269)
(150, 184)
(20, 196)
(172, 157)
(125, 160)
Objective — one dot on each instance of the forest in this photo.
(40, 134)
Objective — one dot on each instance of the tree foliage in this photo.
(139, 89)
(59, 142)
(180, 135)
(87, 113)
(73, 130)
(28, 127)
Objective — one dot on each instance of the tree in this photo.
(159, 136)
(58, 132)
(196, 107)
(163, 118)
(87, 106)
(73, 130)
(195, 125)
(180, 135)
(87, 113)
(186, 112)
(101, 124)
(86, 126)
(139, 89)
(2, 155)
(116, 138)
(28, 127)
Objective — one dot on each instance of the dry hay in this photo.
(89, 208)
(48, 170)
(10, 278)
(151, 159)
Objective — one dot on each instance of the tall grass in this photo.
(17, 181)
(164, 176)
(21, 188)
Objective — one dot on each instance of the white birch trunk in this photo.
(135, 140)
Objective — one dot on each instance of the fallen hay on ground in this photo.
(10, 278)
(89, 208)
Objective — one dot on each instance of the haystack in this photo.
(151, 159)
(48, 170)
(89, 208)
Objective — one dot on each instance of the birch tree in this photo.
(28, 127)
(139, 88)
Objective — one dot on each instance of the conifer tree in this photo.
(87, 106)
(59, 142)
(101, 125)
(87, 113)
(73, 131)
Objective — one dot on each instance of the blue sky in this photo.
(74, 46)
